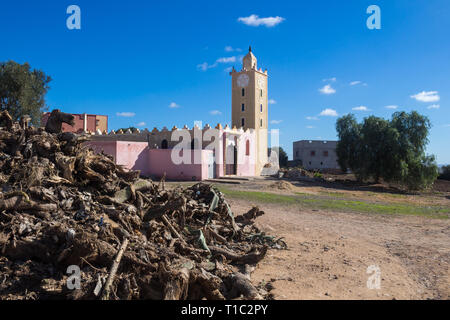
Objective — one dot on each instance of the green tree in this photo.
(349, 138)
(132, 129)
(22, 90)
(392, 150)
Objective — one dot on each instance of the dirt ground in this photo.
(330, 252)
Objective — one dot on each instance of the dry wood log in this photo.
(249, 216)
(6, 119)
(241, 285)
(217, 236)
(66, 164)
(172, 229)
(113, 270)
(176, 284)
(249, 258)
(22, 203)
(208, 284)
(56, 119)
(24, 121)
(157, 211)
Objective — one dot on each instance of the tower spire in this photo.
(250, 49)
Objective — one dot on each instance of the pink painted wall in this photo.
(108, 147)
(131, 155)
(246, 169)
(160, 162)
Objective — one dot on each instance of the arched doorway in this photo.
(231, 159)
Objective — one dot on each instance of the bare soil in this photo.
(329, 252)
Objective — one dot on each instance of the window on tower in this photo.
(243, 107)
(261, 107)
(243, 92)
(260, 123)
(242, 122)
(261, 92)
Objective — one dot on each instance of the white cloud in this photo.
(276, 121)
(327, 89)
(231, 49)
(312, 118)
(272, 101)
(355, 83)
(310, 127)
(393, 107)
(330, 80)
(255, 21)
(126, 114)
(427, 96)
(205, 66)
(434, 106)
(360, 108)
(228, 69)
(215, 112)
(226, 60)
(173, 105)
(141, 124)
(329, 113)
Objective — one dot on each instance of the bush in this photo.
(318, 175)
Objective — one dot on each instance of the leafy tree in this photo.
(282, 156)
(349, 134)
(392, 150)
(22, 90)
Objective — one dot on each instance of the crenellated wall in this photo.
(146, 151)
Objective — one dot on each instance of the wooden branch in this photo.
(172, 229)
(249, 258)
(113, 271)
(217, 236)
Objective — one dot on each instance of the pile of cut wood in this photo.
(74, 225)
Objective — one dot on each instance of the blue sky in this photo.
(142, 57)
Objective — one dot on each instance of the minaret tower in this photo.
(250, 104)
